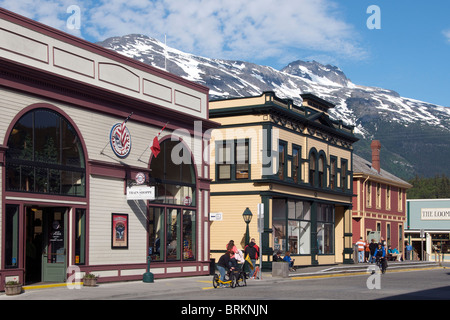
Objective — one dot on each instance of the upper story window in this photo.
(233, 159)
(344, 178)
(388, 197)
(223, 160)
(378, 195)
(332, 173)
(400, 199)
(242, 159)
(312, 169)
(321, 171)
(282, 161)
(45, 155)
(369, 193)
(296, 164)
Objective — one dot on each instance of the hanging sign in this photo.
(140, 193)
(140, 178)
(120, 140)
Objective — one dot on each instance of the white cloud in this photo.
(250, 30)
(446, 34)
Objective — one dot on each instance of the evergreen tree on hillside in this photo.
(437, 187)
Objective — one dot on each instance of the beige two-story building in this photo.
(80, 189)
(293, 159)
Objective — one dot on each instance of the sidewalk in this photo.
(188, 285)
(338, 269)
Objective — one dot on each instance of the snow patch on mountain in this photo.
(354, 104)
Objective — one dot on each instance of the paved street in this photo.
(423, 283)
(195, 297)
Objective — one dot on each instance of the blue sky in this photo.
(409, 53)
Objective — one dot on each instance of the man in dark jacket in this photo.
(372, 247)
(252, 250)
(224, 264)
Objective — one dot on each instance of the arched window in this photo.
(174, 175)
(172, 216)
(321, 171)
(312, 169)
(45, 155)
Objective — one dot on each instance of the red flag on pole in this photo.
(156, 147)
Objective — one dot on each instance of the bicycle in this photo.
(241, 278)
(381, 264)
(230, 279)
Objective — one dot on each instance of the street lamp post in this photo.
(247, 215)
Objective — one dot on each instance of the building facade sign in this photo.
(435, 214)
(120, 140)
(141, 193)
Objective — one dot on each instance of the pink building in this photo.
(379, 205)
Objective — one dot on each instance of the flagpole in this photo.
(139, 159)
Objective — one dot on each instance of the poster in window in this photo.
(119, 232)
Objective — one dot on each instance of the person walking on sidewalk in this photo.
(367, 253)
(373, 246)
(361, 247)
(252, 250)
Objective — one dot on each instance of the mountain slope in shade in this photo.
(415, 135)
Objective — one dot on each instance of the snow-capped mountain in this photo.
(415, 135)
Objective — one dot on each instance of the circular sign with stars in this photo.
(120, 140)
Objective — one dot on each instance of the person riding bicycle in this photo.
(380, 254)
(225, 263)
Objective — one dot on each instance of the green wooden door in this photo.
(54, 260)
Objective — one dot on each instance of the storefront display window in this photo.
(45, 156)
(165, 226)
(189, 234)
(440, 242)
(156, 233)
(279, 224)
(297, 226)
(80, 236)
(171, 228)
(325, 228)
(12, 236)
(173, 234)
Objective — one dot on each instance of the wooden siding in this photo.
(36, 46)
(232, 227)
(107, 197)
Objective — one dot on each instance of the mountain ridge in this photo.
(410, 131)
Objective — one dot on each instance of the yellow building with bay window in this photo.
(293, 159)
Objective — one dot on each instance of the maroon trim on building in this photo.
(115, 170)
(38, 199)
(28, 79)
(201, 184)
(2, 154)
(199, 265)
(96, 49)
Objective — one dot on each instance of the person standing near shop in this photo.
(361, 247)
(372, 246)
(252, 250)
(367, 253)
(408, 249)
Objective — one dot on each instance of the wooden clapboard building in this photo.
(296, 161)
(80, 189)
(379, 205)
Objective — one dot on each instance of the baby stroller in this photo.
(238, 273)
